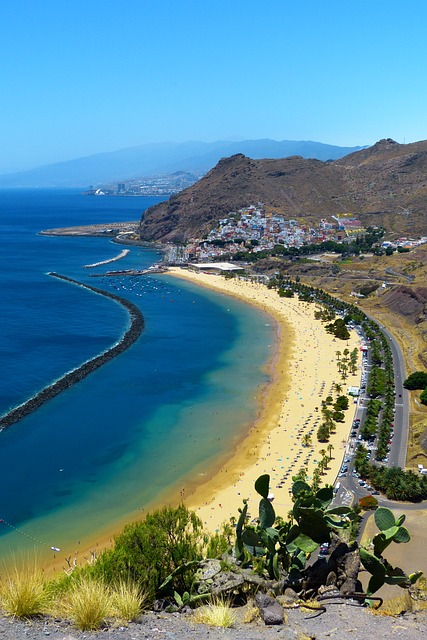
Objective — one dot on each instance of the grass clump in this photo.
(128, 601)
(87, 603)
(23, 592)
(216, 614)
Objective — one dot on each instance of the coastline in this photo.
(303, 370)
(300, 381)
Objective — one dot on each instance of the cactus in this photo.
(312, 514)
(390, 530)
(239, 546)
(289, 546)
(381, 570)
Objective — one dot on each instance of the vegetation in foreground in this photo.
(161, 562)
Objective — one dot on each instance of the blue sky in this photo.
(86, 76)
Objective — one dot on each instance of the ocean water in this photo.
(154, 419)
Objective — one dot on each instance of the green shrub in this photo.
(149, 551)
(220, 542)
(417, 380)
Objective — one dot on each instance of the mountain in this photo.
(384, 185)
(162, 158)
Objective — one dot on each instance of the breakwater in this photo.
(121, 255)
(76, 375)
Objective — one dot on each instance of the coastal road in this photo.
(349, 490)
(399, 446)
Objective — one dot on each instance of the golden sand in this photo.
(304, 372)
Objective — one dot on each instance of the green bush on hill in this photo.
(147, 552)
(417, 380)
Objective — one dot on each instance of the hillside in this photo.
(384, 185)
(162, 158)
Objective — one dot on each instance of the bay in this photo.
(146, 424)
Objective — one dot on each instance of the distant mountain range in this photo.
(383, 185)
(162, 158)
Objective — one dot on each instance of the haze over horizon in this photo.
(89, 78)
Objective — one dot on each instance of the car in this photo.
(347, 459)
(375, 493)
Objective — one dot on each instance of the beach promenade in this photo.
(303, 371)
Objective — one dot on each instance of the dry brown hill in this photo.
(384, 185)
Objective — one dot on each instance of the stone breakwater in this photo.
(74, 376)
(121, 255)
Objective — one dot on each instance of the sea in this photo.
(150, 423)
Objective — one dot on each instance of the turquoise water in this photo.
(146, 423)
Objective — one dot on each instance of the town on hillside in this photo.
(254, 230)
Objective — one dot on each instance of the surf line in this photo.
(76, 375)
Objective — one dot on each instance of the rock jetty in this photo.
(74, 376)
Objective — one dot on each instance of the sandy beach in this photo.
(303, 373)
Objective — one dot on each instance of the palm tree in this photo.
(321, 465)
(329, 448)
(306, 440)
(338, 387)
(315, 483)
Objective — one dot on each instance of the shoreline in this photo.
(300, 381)
(273, 443)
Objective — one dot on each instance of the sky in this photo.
(80, 77)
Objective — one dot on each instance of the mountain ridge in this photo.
(160, 158)
(384, 185)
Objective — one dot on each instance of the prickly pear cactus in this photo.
(390, 530)
(382, 572)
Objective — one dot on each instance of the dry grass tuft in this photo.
(128, 601)
(217, 614)
(87, 604)
(23, 593)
